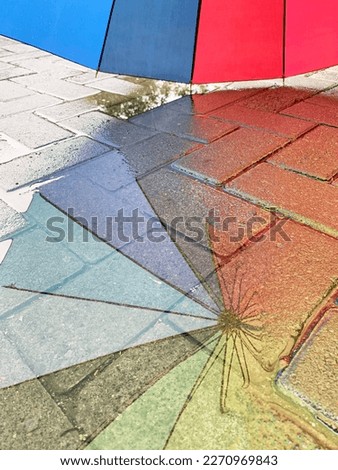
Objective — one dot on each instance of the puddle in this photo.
(153, 93)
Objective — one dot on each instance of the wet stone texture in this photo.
(167, 284)
(311, 376)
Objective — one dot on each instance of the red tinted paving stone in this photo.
(230, 155)
(314, 154)
(314, 112)
(276, 123)
(326, 98)
(205, 103)
(306, 200)
(274, 100)
(291, 278)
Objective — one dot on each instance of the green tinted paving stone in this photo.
(30, 419)
(125, 282)
(12, 298)
(33, 263)
(96, 392)
(62, 228)
(55, 332)
(147, 423)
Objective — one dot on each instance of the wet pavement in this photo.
(168, 280)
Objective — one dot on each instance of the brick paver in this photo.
(276, 123)
(229, 155)
(314, 112)
(311, 202)
(315, 154)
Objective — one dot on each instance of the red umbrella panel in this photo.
(198, 41)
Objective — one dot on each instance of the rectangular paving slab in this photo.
(273, 100)
(42, 163)
(314, 112)
(108, 129)
(30, 419)
(199, 128)
(311, 376)
(314, 154)
(229, 155)
(270, 122)
(306, 200)
(32, 130)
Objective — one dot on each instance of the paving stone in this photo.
(30, 419)
(87, 77)
(4, 66)
(157, 150)
(187, 206)
(146, 241)
(274, 100)
(13, 369)
(31, 130)
(27, 103)
(14, 72)
(18, 47)
(303, 199)
(314, 112)
(108, 129)
(314, 154)
(10, 220)
(16, 58)
(37, 165)
(149, 420)
(61, 228)
(202, 104)
(12, 299)
(59, 88)
(50, 342)
(325, 98)
(290, 278)
(95, 208)
(148, 291)
(11, 91)
(276, 123)
(199, 128)
(53, 262)
(229, 155)
(67, 110)
(311, 375)
(116, 85)
(308, 81)
(105, 394)
(10, 148)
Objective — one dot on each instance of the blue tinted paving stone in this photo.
(10, 220)
(163, 258)
(127, 283)
(37, 165)
(12, 368)
(54, 333)
(61, 228)
(158, 150)
(97, 209)
(108, 129)
(199, 128)
(111, 171)
(10, 299)
(33, 263)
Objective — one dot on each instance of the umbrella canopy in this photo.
(195, 41)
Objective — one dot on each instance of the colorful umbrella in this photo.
(196, 41)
